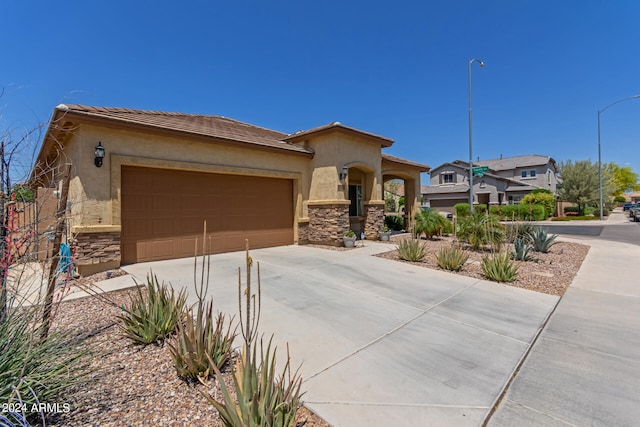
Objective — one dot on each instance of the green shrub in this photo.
(589, 210)
(619, 199)
(35, 369)
(577, 218)
(495, 210)
(480, 229)
(411, 250)
(523, 212)
(394, 222)
(201, 343)
(430, 223)
(605, 212)
(541, 197)
(521, 249)
(263, 397)
(153, 317)
(499, 267)
(462, 209)
(480, 207)
(541, 241)
(452, 258)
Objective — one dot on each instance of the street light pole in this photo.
(471, 61)
(599, 150)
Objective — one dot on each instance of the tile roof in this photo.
(196, 124)
(508, 163)
(300, 135)
(422, 167)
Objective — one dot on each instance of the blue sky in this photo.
(398, 69)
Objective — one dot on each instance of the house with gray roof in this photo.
(506, 181)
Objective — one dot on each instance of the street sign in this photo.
(480, 171)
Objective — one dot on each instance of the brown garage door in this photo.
(163, 212)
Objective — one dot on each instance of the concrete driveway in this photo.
(381, 342)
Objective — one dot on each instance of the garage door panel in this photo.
(163, 212)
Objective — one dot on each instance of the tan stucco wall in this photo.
(332, 152)
(95, 192)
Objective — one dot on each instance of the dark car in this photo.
(626, 206)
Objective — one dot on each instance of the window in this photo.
(355, 196)
(447, 178)
(514, 200)
(532, 173)
(523, 174)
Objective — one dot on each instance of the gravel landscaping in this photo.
(551, 273)
(134, 385)
(138, 386)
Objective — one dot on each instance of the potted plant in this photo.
(349, 239)
(385, 233)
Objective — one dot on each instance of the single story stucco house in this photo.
(164, 174)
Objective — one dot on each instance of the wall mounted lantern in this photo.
(99, 155)
(344, 173)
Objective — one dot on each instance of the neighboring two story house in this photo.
(507, 180)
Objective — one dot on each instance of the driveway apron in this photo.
(380, 342)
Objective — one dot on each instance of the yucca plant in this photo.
(200, 343)
(541, 241)
(35, 369)
(518, 230)
(499, 267)
(521, 249)
(411, 250)
(480, 229)
(153, 317)
(263, 398)
(452, 258)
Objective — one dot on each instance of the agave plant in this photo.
(452, 258)
(521, 249)
(499, 267)
(201, 343)
(541, 241)
(153, 317)
(411, 250)
(264, 398)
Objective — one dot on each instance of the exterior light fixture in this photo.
(344, 173)
(99, 155)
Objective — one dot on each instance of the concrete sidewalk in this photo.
(585, 367)
(382, 342)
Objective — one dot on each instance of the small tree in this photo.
(580, 183)
(541, 197)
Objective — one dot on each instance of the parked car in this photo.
(626, 206)
(634, 211)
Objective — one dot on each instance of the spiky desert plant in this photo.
(430, 223)
(480, 229)
(518, 230)
(263, 398)
(521, 249)
(35, 369)
(499, 267)
(153, 316)
(452, 258)
(411, 250)
(541, 240)
(201, 342)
